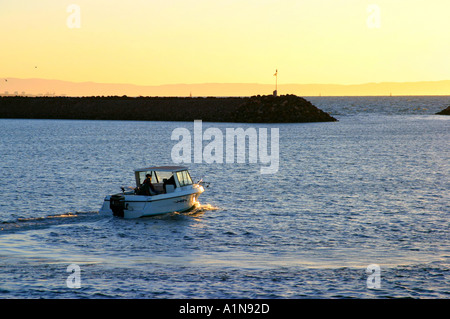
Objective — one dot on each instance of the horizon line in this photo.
(240, 83)
(53, 87)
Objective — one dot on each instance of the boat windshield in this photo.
(184, 178)
(140, 177)
(157, 176)
(164, 177)
(161, 176)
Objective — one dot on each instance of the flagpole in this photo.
(276, 82)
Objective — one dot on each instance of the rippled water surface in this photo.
(372, 188)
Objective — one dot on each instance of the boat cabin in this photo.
(165, 179)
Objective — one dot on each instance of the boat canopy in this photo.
(176, 175)
(162, 169)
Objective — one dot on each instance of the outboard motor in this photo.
(117, 205)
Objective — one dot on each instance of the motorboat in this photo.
(159, 190)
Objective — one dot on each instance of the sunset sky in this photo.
(154, 42)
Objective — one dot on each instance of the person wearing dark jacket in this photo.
(148, 187)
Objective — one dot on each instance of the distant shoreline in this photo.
(10, 86)
(255, 109)
(218, 96)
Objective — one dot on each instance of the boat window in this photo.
(184, 178)
(142, 176)
(164, 176)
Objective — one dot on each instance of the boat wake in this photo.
(33, 223)
(22, 224)
(205, 207)
(199, 210)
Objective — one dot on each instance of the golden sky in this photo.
(153, 42)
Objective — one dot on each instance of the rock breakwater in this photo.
(255, 109)
(445, 111)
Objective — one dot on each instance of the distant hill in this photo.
(33, 87)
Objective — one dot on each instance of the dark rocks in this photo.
(256, 109)
(279, 109)
(445, 111)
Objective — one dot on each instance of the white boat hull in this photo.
(135, 206)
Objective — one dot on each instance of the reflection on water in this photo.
(369, 189)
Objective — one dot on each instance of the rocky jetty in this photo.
(256, 109)
(279, 109)
(445, 111)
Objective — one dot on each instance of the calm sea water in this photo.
(372, 188)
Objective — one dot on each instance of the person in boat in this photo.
(147, 186)
(170, 181)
